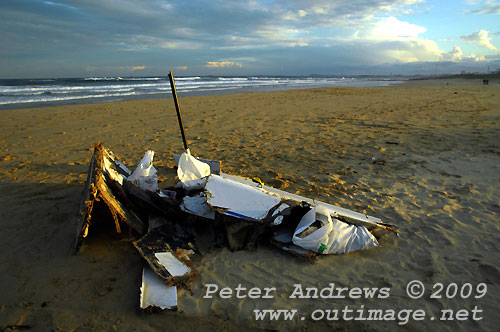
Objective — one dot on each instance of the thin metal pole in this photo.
(177, 108)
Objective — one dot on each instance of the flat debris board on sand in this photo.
(219, 210)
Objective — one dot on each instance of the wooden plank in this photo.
(116, 207)
(86, 205)
(100, 181)
(166, 238)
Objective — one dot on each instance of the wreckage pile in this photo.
(208, 209)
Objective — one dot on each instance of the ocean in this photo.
(19, 93)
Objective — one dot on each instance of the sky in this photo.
(89, 38)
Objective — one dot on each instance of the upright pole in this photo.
(177, 108)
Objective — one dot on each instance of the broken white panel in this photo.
(173, 265)
(198, 206)
(192, 173)
(238, 199)
(333, 236)
(334, 210)
(154, 292)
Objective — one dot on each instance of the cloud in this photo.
(280, 36)
(57, 4)
(485, 7)
(389, 39)
(416, 51)
(301, 36)
(493, 57)
(222, 64)
(457, 55)
(480, 38)
(128, 25)
(210, 24)
(391, 28)
(138, 68)
(145, 42)
(327, 13)
(180, 67)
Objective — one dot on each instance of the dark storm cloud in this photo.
(71, 23)
(75, 37)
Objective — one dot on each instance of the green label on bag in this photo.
(322, 248)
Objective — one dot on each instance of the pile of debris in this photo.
(209, 209)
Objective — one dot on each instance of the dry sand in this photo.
(436, 176)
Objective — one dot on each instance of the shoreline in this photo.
(193, 93)
(423, 156)
(427, 82)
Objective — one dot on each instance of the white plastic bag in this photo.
(145, 175)
(334, 236)
(314, 240)
(349, 238)
(192, 173)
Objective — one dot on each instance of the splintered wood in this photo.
(104, 174)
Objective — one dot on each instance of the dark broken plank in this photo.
(170, 238)
(117, 209)
(150, 203)
(86, 204)
(102, 177)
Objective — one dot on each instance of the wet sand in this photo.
(424, 156)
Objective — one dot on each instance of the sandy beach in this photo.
(423, 156)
